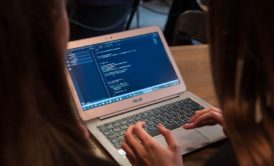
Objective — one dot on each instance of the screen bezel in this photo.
(131, 102)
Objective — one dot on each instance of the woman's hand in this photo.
(206, 117)
(141, 149)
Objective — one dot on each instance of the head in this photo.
(36, 121)
(242, 56)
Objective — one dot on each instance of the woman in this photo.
(242, 56)
(37, 123)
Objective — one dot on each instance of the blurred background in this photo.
(182, 21)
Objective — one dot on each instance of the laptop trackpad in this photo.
(189, 140)
(213, 133)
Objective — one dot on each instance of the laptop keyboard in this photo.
(172, 116)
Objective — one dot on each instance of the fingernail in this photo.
(188, 124)
(160, 125)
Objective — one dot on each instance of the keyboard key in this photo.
(116, 129)
(154, 132)
(108, 127)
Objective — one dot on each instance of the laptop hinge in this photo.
(139, 107)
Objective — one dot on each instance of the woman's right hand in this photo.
(142, 150)
(206, 117)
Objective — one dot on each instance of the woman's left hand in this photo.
(142, 149)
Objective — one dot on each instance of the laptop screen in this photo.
(109, 72)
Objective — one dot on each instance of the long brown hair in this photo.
(242, 56)
(37, 125)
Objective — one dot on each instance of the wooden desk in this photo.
(194, 65)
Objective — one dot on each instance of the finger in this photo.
(204, 111)
(188, 126)
(199, 113)
(209, 122)
(129, 153)
(207, 116)
(169, 137)
(217, 110)
(141, 134)
(132, 142)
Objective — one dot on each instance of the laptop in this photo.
(119, 79)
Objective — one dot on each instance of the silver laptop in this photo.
(119, 79)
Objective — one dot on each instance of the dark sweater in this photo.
(84, 159)
(224, 157)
